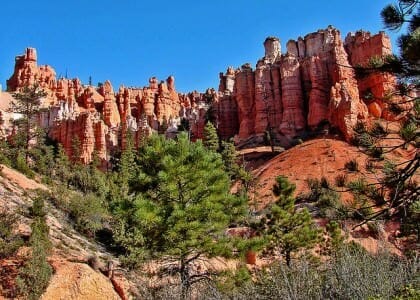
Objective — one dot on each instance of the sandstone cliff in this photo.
(312, 84)
(287, 95)
(97, 119)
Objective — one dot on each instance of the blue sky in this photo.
(129, 41)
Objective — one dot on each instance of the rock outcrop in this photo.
(97, 119)
(27, 72)
(363, 47)
(312, 84)
(78, 281)
(287, 95)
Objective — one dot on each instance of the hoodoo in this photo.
(286, 95)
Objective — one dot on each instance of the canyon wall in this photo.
(363, 47)
(87, 119)
(313, 84)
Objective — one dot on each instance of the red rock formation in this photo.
(98, 119)
(318, 91)
(293, 120)
(374, 87)
(226, 106)
(87, 100)
(285, 96)
(362, 46)
(27, 72)
(78, 281)
(313, 83)
(111, 113)
(245, 98)
(268, 104)
(168, 104)
(227, 121)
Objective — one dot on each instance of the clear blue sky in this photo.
(128, 41)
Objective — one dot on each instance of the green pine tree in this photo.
(394, 16)
(235, 170)
(399, 182)
(287, 228)
(62, 165)
(34, 276)
(181, 209)
(210, 138)
(9, 240)
(28, 104)
(42, 154)
(124, 172)
(229, 157)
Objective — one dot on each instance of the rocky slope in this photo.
(73, 278)
(326, 157)
(285, 96)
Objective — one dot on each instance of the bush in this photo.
(378, 130)
(351, 273)
(231, 281)
(376, 152)
(324, 183)
(341, 180)
(364, 140)
(34, 276)
(88, 179)
(360, 127)
(21, 166)
(329, 205)
(88, 213)
(42, 156)
(36, 273)
(328, 198)
(38, 207)
(302, 281)
(315, 189)
(5, 153)
(352, 165)
(370, 165)
(334, 240)
(357, 274)
(9, 242)
(377, 194)
(59, 196)
(375, 227)
(358, 186)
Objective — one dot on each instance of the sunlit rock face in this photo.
(363, 47)
(285, 96)
(90, 120)
(312, 84)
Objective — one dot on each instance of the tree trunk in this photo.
(28, 139)
(288, 258)
(185, 280)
